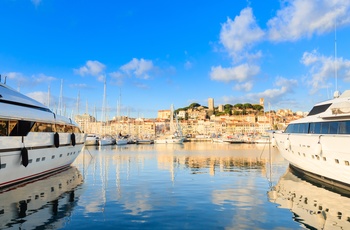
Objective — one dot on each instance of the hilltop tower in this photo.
(262, 102)
(211, 104)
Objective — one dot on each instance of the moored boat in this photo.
(122, 141)
(318, 144)
(107, 140)
(145, 141)
(92, 139)
(33, 140)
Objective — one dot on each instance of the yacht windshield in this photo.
(319, 109)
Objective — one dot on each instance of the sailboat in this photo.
(105, 140)
(175, 136)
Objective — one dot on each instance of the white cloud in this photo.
(42, 78)
(322, 70)
(36, 2)
(247, 86)
(80, 86)
(283, 87)
(188, 65)
(140, 68)
(303, 18)
(277, 95)
(238, 73)
(93, 68)
(41, 97)
(16, 76)
(241, 33)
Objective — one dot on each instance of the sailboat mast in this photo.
(172, 119)
(103, 117)
(78, 103)
(60, 101)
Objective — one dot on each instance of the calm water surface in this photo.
(189, 186)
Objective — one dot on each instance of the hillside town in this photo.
(196, 121)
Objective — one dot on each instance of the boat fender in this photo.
(318, 150)
(56, 140)
(287, 144)
(24, 155)
(72, 138)
(273, 142)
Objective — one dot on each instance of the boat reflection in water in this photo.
(312, 205)
(160, 184)
(41, 203)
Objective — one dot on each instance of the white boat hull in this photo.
(122, 141)
(106, 141)
(170, 141)
(92, 140)
(43, 156)
(325, 156)
(144, 142)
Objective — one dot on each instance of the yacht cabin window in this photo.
(330, 127)
(22, 128)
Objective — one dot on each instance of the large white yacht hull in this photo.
(43, 156)
(325, 157)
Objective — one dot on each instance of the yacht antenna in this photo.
(336, 93)
(335, 56)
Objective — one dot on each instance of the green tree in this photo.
(194, 105)
(238, 106)
(248, 106)
(258, 107)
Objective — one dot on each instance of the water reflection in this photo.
(44, 202)
(194, 185)
(313, 206)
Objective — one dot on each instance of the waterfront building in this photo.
(182, 114)
(85, 120)
(164, 114)
(197, 114)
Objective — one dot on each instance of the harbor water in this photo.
(200, 185)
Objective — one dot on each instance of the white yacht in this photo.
(92, 139)
(122, 141)
(33, 140)
(318, 144)
(107, 140)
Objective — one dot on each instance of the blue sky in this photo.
(157, 53)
